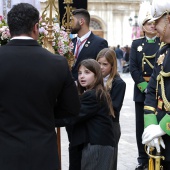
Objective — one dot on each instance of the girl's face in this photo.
(105, 66)
(85, 77)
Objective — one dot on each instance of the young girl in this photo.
(94, 126)
(114, 85)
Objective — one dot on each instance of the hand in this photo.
(156, 142)
(151, 132)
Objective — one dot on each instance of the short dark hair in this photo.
(22, 18)
(82, 13)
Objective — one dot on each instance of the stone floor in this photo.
(127, 153)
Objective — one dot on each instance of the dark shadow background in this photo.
(76, 4)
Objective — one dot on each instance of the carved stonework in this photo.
(113, 17)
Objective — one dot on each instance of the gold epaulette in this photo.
(149, 108)
(162, 44)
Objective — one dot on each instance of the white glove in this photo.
(151, 132)
(76, 83)
(156, 142)
(145, 91)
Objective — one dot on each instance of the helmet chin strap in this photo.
(166, 23)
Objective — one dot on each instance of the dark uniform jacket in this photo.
(91, 48)
(94, 124)
(31, 82)
(154, 101)
(139, 49)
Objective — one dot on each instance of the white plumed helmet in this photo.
(144, 13)
(159, 8)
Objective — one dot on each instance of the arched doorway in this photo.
(96, 27)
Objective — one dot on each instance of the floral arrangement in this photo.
(4, 32)
(61, 43)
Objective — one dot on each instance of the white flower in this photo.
(4, 32)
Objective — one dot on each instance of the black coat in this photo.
(94, 124)
(140, 46)
(91, 48)
(117, 94)
(31, 85)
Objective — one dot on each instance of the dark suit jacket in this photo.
(140, 46)
(31, 85)
(91, 48)
(94, 124)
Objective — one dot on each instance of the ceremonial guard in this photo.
(142, 58)
(157, 102)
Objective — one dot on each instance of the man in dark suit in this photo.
(32, 87)
(119, 56)
(142, 59)
(86, 44)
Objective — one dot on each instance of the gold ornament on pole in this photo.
(66, 20)
(56, 35)
(50, 20)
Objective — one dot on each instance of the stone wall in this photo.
(113, 18)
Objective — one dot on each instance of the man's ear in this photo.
(143, 28)
(81, 21)
(35, 31)
(36, 27)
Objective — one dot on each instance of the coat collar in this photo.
(23, 42)
(87, 43)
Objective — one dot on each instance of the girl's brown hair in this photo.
(110, 56)
(98, 84)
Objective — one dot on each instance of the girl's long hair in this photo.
(98, 84)
(110, 56)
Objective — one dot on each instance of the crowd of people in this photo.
(122, 55)
(36, 96)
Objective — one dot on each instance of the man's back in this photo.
(119, 53)
(31, 83)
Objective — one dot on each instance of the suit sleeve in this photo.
(135, 71)
(101, 45)
(89, 106)
(68, 103)
(117, 94)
